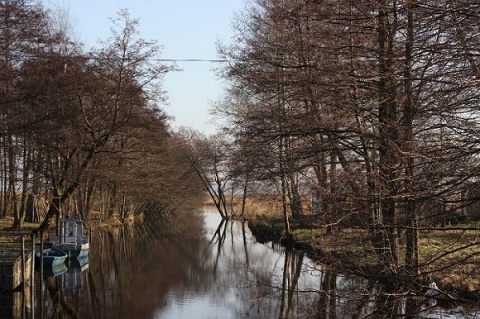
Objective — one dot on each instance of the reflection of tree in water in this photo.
(136, 271)
(264, 280)
(147, 261)
(132, 268)
(282, 291)
(285, 295)
(218, 239)
(372, 301)
(327, 301)
(53, 302)
(262, 291)
(291, 273)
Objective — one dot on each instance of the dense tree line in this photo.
(373, 106)
(83, 130)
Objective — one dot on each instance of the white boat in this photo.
(71, 238)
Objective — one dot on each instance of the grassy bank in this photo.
(94, 223)
(7, 222)
(451, 256)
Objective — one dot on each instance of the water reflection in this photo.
(73, 280)
(16, 304)
(202, 267)
(60, 288)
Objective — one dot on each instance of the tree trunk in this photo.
(388, 130)
(411, 254)
(12, 170)
(244, 196)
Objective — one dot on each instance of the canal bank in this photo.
(349, 252)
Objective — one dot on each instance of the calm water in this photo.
(202, 268)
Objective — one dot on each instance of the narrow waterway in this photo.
(201, 267)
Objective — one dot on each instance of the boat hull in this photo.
(52, 257)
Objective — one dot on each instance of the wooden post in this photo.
(41, 302)
(32, 271)
(23, 260)
(41, 254)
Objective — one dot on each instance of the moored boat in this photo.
(52, 257)
(72, 239)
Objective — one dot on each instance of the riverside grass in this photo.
(450, 255)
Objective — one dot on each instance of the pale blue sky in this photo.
(187, 29)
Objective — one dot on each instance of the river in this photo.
(203, 268)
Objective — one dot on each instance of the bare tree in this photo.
(104, 91)
(22, 34)
(364, 94)
(208, 158)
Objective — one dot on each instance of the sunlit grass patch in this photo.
(453, 255)
(7, 222)
(308, 233)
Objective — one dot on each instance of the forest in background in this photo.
(82, 130)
